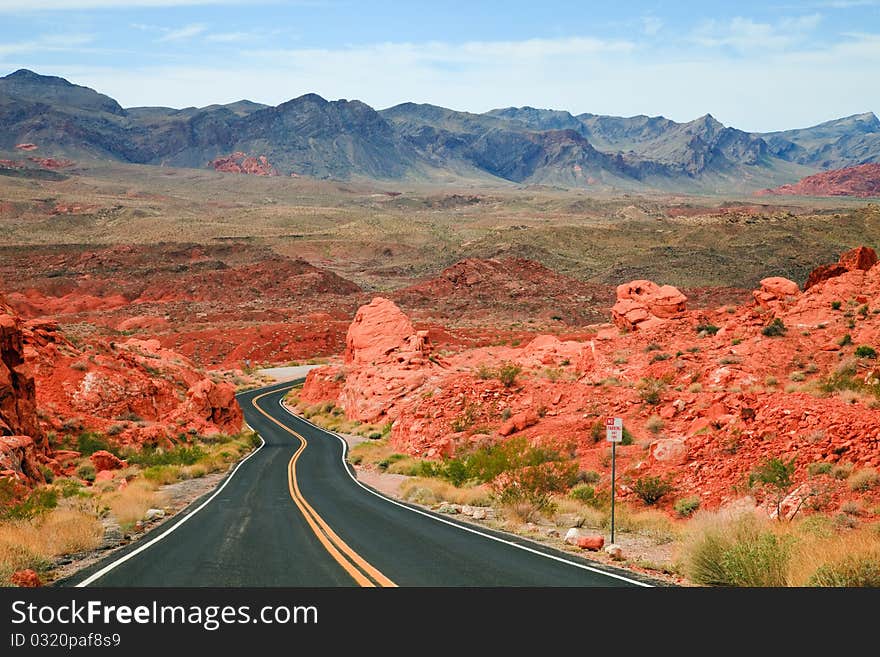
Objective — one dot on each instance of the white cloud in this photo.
(183, 33)
(746, 34)
(229, 37)
(651, 25)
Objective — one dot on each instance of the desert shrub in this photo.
(86, 472)
(686, 506)
(48, 473)
(651, 488)
(162, 474)
(88, 443)
(797, 376)
(79, 366)
(819, 468)
(388, 460)
(583, 493)
(654, 424)
(709, 329)
(38, 501)
(653, 347)
(845, 340)
(774, 329)
(835, 305)
(738, 551)
(771, 381)
(695, 387)
(507, 374)
(651, 390)
(777, 477)
(656, 358)
(863, 480)
(536, 484)
(864, 351)
(588, 477)
(177, 455)
(842, 470)
(850, 571)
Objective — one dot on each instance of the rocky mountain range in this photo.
(347, 139)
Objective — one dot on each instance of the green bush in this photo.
(177, 455)
(845, 340)
(388, 460)
(536, 484)
(777, 476)
(88, 443)
(656, 358)
(851, 571)
(863, 480)
(39, 501)
(651, 489)
(864, 351)
(583, 493)
(819, 468)
(686, 506)
(774, 329)
(588, 477)
(709, 329)
(835, 305)
(739, 552)
(48, 474)
(507, 374)
(651, 390)
(86, 472)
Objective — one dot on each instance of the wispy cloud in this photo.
(17, 6)
(651, 25)
(183, 33)
(746, 34)
(46, 43)
(229, 37)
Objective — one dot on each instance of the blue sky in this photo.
(754, 65)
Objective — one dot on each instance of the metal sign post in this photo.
(614, 435)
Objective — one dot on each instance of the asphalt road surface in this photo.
(293, 514)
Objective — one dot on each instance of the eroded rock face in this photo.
(644, 304)
(239, 162)
(776, 290)
(380, 333)
(862, 257)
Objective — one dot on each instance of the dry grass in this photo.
(848, 559)
(130, 504)
(35, 543)
(432, 491)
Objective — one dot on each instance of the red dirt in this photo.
(862, 181)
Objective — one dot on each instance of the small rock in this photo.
(467, 510)
(27, 578)
(572, 536)
(154, 514)
(447, 508)
(479, 514)
(139, 526)
(615, 551)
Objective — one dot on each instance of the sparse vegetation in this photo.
(777, 477)
(864, 351)
(651, 489)
(774, 329)
(708, 329)
(686, 506)
(819, 468)
(863, 480)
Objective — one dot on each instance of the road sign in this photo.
(614, 429)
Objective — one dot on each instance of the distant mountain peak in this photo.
(26, 75)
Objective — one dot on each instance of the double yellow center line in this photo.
(364, 573)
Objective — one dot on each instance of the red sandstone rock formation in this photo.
(862, 257)
(644, 304)
(862, 181)
(239, 162)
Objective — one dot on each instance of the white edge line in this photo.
(106, 569)
(455, 524)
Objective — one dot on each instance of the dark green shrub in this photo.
(845, 340)
(686, 506)
(651, 489)
(659, 357)
(709, 329)
(583, 493)
(507, 374)
(88, 443)
(588, 477)
(864, 351)
(835, 305)
(38, 502)
(86, 472)
(852, 571)
(178, 455)
(774, 329)
(819, 468)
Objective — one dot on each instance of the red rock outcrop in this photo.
(862, 181)
(644, 304)
(862, 257)
(239, 162)
(104, 460)
(776, 290)
(27, 578)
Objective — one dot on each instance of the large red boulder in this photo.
(379, 330)
(776, 290)
(642, 303)
(211, 408)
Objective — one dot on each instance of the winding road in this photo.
(293, 514)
